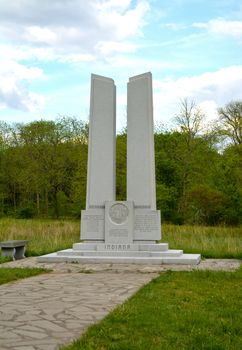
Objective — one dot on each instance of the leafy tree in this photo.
(206, 205)
(40, 162)
(229, 181)
(190, 122)
(189, 119)
(231, 121)
(43, 168)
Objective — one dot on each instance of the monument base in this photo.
(133, 253)
(120, 233)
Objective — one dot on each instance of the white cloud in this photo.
(14, 86)
(221, 26)
(43, 54)
(109, 4)
(14, 69)
(14, 95)
(209, 107)
(109, 47)
(66, 31)
(40, 35)
(136, 65)
(174, 26)
(124, 25)
(75, 58)
(209, 90)
(79, 27)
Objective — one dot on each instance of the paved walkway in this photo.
(46, 311)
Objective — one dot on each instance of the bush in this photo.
(206, 205)
(25, 213)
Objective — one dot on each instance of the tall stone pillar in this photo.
(140, 143)
(140, 158)
(101, 174)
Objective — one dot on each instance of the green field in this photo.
(47, 236)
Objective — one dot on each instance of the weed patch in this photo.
(13, 274)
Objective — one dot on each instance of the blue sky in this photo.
(49, 48)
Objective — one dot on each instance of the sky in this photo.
(49, 48)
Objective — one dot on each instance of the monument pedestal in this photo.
(121, 234)
(134, 253)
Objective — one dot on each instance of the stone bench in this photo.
(14, 249)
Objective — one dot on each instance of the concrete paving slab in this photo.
(63, 306)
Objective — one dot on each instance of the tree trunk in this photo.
(46, 204)
(37, 202)
(56, 204)
(14, 199)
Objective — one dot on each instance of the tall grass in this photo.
(211, 242)
(45, 236)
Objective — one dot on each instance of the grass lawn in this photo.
(13, 274)
(178, 310)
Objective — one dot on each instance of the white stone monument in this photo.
(121, 231)
(101, 174)
(141, 159)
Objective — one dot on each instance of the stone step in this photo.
(154, 247)
(184, 259)
(118, 253)
(85, 246)
(132, 247)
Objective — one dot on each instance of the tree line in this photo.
(43, 167)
